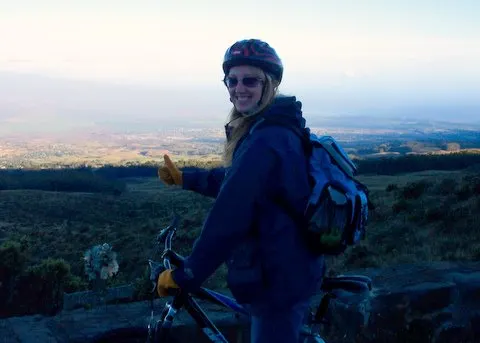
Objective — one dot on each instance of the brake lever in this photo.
(173, 257)
(167, 233)
(173, 225)
(155, 269)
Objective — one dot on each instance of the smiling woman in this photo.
(246, 228)
(253, 72)
(245, 85)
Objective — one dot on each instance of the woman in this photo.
(270, 269)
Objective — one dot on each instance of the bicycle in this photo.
(159, 331)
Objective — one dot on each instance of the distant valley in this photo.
(117, 144)
(51, 122)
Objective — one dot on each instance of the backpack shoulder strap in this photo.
(304, 136)
(339, 156)
(302, 133)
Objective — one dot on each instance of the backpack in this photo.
(337, 210)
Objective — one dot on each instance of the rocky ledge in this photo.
(434, 302)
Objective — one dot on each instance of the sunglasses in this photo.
(249, 81)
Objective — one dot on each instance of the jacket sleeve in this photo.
(204, 181)
(230, 219)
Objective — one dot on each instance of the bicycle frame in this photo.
(159, 331)
(189, 303)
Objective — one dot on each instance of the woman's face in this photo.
(245, 84)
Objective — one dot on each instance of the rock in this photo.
(7, 335)
(75, 300)
(427, 303)
(450, 333)
(31, 329)
(437, 302)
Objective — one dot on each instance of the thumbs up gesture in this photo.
(169, 173)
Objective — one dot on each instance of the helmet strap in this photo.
(259, 103)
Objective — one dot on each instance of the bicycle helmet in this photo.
(256, 53)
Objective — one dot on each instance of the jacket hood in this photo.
(288, 107)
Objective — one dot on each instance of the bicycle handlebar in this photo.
(166, 235)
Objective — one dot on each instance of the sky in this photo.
(356, 56)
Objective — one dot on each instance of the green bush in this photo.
(435, 214)
(41, 287)
(12, 263)
(12, 259)
(446, 186)
(414, 190)
(391, 187)
(32, 289)
(400, 206)
(360, 256)
(143, 286)
(464, 192)
(471, 185)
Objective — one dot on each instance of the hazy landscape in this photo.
(423, 174)
(78, 164)
(78, 167)
(422, 216)
(93, 95)
(109, 145)
(53, 122)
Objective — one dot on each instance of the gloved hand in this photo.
(164, 282)
(169, 173)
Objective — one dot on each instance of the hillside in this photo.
(420, 217)
(424, 216)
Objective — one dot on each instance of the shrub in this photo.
(41, 287)
(464, 192)
(435, 214)
(391, 187)
(360, 256)
(32, 289)
(446, 186)
(400, 206)
(12, 263)
(414, 190)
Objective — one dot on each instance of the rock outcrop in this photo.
(434, 302)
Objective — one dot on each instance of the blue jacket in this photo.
(268, 262)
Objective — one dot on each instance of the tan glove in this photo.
(164, 282)
(169, 173)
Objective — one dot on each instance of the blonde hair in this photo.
(242, 123)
